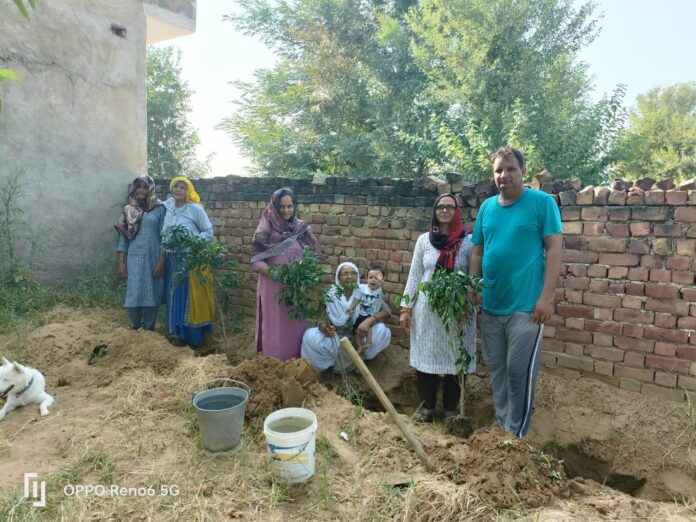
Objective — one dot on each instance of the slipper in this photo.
(423, 415)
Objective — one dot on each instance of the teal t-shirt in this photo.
(513, 250)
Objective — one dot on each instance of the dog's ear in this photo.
(5, 362)
(16, 367)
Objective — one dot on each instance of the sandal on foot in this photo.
(448, 414)
(423, 415)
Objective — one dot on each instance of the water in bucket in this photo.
(290, 440)
(220, 413)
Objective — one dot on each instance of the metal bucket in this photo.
(220, 413)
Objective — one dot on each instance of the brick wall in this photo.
(626, 301)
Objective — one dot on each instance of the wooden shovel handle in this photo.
(386, 403)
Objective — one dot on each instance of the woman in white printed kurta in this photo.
(432, 352)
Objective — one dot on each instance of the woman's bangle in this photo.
(405, 310)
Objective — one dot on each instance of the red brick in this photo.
(666, 230)
(574, 336)
(691, 231)
(599, 286)
(635, 289)
(632, 330)
(654, 197)
(603, 314)
(686, 352)
(667, 334)
(638, 246)
(687, 323)
(577, 256)
(605, 327)
(556, 320)
(574, 323)
(686, 247)
(634, 316)
(617, 230)
(632, 302)
(585, 364)
(573, 242)
(618, 272)
(597, 270)
(665, 321)
(552, 345)
(660, 275)
(678, 263)
(602, 301)
(573, 296)
(666, 379)
(650, 214)
(616, 288)
(683, 277)
(688, 294)
(667, 307)
(676, 197)
(593, 229)
(637, 374)
(651, 261)
(662, 291)
(603, 368)
(574, 349)
(572, 228)
(684, 381)
(577, 283)
(635, 344)
(618, 259)
(638, 273)
(604, 352)
(667, 363)
(577, 270)
(634, 359)
(599, 339)
(640, 229)
(570, 213)
(685, 215)
(595, 214)
(619, 214)
(666, 349)
(574, 311)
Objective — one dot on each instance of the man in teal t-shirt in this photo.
(517, 250)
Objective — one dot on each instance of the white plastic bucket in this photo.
(290, 439)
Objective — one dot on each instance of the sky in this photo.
(642, 44)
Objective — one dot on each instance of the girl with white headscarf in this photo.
(320, 345)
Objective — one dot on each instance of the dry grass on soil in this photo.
(127, 420)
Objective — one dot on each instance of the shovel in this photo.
(386, 403)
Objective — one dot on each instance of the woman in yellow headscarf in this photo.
(189, 303)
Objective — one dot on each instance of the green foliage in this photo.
(302, 289)
(171, 140)
(201, 255)
(660, 140)
(448, 297)
(405, 88)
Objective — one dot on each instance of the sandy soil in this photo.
(126, 419)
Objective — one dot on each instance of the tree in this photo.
(660, 140)
(171, 140)
(344, 89)
(407, 88)
(507, 72)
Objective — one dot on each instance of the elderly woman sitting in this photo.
(320, 345)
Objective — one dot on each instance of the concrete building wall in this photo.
(75, 123)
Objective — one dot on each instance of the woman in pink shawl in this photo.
(279, 240)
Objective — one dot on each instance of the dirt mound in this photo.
(506, 471)
(76, 351)
(274, 384)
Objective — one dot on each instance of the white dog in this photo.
(21, 385)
